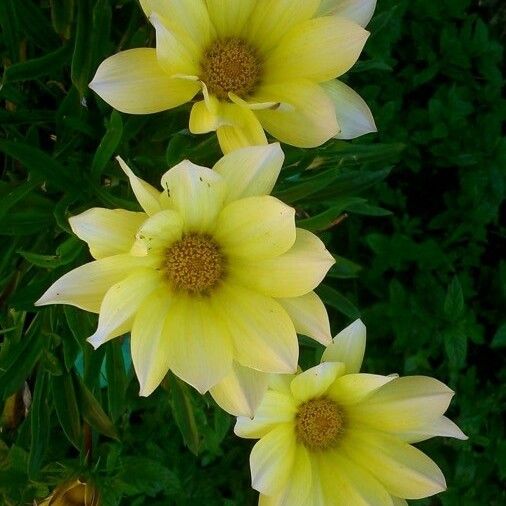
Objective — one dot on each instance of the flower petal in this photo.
(203, 119)
(319, 49)
(172, 55)
(402, 469)
(107, 231)
(148, 341)
(309, 316)
(404, 404)
(441, 427)
(147, 196)
(255, 228)
(241, 391)
(239, 128)
(86, 286)
(316, 381)
(271, 19)
(359, 11)
(196, 193)
(346, 483)
(250, 171)
(307, 122)
(229, 16)
(353, 388)
(133, 81)
(263, 334)
(272, 460)
(298, 487)
(158, 233)
(397, 501)
(353, 115)
(292, 274)
(348, 347)
(276, 408)
(199, 344)
(188, 19)
(120, 304)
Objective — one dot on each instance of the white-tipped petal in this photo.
(352, 113)
(443, 427)
(348, 347)
(360, 11)
(107, 231)
(147, 196)
(241, 391)
(250, 171)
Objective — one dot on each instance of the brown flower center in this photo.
(194, 264)
(230, 65)
(319, 424)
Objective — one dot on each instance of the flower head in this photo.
(74, 493)
(331, 435)
(212, 278)
(258, 65)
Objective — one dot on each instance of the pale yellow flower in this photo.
(334, 436)
(212, 279)
(258, 64)
(74, 493)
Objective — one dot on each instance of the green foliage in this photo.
(411, 215)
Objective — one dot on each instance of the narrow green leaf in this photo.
(116, 378)
(454, 301)
(344, 269)
(62, 15)
(499, 340)
(338, 301)
(81, 60)
(109, 144)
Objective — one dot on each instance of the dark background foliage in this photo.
(420, 255)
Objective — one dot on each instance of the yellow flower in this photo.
(212, 277)
(333, 436)
(260, 64)
(74, 493)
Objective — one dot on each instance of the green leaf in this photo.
(454, 301)
(81, 59)
(182, 409)
(93, 412)
(67, 409)
(109, 144)
(499, 340)
(116, 378)
(338, 301)
(344, 269)
(62, 15)
(66, 253)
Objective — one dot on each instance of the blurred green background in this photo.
(421, 255)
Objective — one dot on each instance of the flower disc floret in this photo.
(319, 424)
(230, 66)
(194, 264)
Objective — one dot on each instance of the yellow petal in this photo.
(315, 382)
(281, 383)
(240, 127)
(196, 193)
(319, 49)
(120, 304)
(107, 231)
(404, 404)
(441, 427)
(256, 228)
(309, 316)
(229, 16)
(86, 286)
(147, 196)
(203, 119)
(353, 388)
(272, 460)
(241, 391)
(349, 484)
(353, 114)
(399, 502)
(359, 11)
(250, 171)
(134, 82)
(271, 19)
(188, 19)
(158, 233)
(148, 341)
(172, 54)
(348, 347)
(308, 122)
(292, 274)
(263, 334)
(275, 409)
(198, 343)
(298, 488)
(402, 469)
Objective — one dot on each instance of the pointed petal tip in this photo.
(94, 341)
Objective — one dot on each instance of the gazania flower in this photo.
(74, 493)
(333, 436)
(258, 64)
(212, 278)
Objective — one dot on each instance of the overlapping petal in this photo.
(360, 11)
(315, 382)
